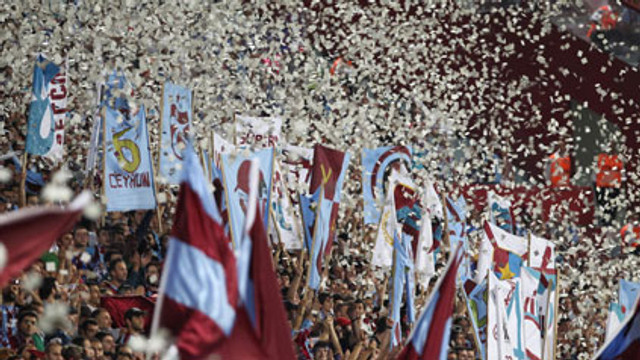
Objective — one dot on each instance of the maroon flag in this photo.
(117, 306)
(28, 233)
(198, 292)
(328, 172)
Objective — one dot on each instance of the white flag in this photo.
(425, 267)
(542, 255)
(383, 249)
(505, 340)
(282, 215)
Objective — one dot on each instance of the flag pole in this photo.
(23, 179)
(555, 314)
(104, 162)
(160, 125)
(445, 229)
(476, 340)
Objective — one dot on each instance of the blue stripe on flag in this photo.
(199, 283)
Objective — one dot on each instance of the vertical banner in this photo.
(47, 111)
(259, 132)
(282, 212)
(329, 170)
(530, 280)
(376, 168)
(176, 124)
(327, 176)
(128, 174)
(235, 170)
(506, 338)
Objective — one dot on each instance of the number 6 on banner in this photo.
(126, 164)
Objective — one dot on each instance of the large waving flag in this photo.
(625, 344)
(47, 111)
(542, 255)
(377, 165)
(307, 204)
(28, 233)
(262, 330)
(258, 132)
(429, 339)
(200, 277)
(505, 319)
(507, 250)
(549, 302)
(176, 124)
(236, 183)
(128, 176)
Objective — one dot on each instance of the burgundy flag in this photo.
(28, 233)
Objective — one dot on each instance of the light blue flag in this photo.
(176, 124)
(376, 167)
(128, 175)
(477, 306)
(45, 129)
(628, 294)
(409, 281)
(308, 217)
(321, 232)
(112, 95)
(235, 170)
(457, 217)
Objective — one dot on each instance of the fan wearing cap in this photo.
(134, 321)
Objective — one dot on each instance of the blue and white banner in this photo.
(235, 170)
(128, 179)
(176, 124)
(47, 111)
(376, 168)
